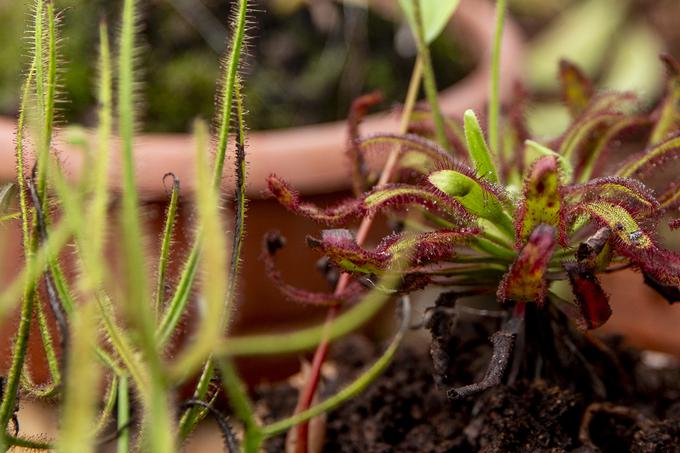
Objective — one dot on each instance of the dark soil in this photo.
(405, 410)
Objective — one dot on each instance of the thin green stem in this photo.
(179, 300)
(157, 416)
(429, 81)
(111, 400)
(164, 257)
(191, 415)
(228, 83)
(48, 345)
(241, 405)
(494, 95)
(47, 105)
(123, 442)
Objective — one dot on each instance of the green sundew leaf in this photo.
(213, 263)
(474, 198)
(620, 222)
(535, 151)
(78, 419)
(435, 15)
(635, 62)
(542, 199)
(577, 89)
(669, 120)
(480, 154)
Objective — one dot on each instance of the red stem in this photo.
(307, 395)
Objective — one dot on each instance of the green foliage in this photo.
(435, 15)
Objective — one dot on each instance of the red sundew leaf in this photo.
(525, 281)
(612, 101)
(357, 112)
(579, 140)
(422, 248)
(341, 248)
(663, 266)
(670, 293)
(670, 198)
(633, 126)
(431, 152)
(668, 121)
(632, 242)
(592, 300)
(422, 124)
(580, 136)
(577, 89)
(640, 165)
(428, 247)
(674, 224)
(290, 199)
(629, 193)
(272, 243)
(400, 196)
(542, 203)
(619, 220)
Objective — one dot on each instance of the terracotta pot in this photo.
(312, 158)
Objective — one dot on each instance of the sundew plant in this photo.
(493, 213)
(505, 215)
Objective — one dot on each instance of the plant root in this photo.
(503, 345)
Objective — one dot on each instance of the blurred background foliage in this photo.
(305, 64)
(309, 58)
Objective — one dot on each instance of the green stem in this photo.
(429, 81)
(123, 443)
(192, 415)
(240, 403)
(494, 96)
(163, 259)
(180, 298)
(228, 83)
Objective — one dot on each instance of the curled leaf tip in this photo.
(273, 242)
(577, 89)
(290, 199)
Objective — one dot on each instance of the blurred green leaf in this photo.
(436, 14)
(584, 34)
(635, 63)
